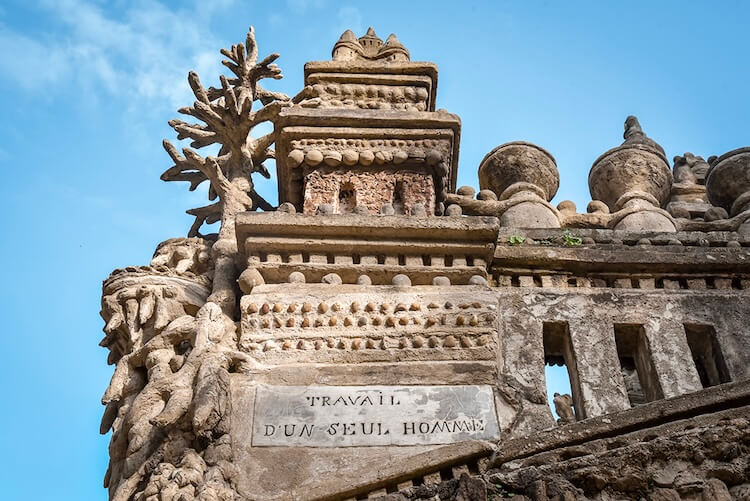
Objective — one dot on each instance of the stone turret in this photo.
(396, 155)
(369, 48)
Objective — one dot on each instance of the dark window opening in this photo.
(636, 366)
(398, 198)
(561, 372)
(347, 198)
(709, 361)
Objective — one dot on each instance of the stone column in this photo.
(671, 357)
(601, 384)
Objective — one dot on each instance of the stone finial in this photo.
(634, 176)
(519, 162)
(634, 135)
(525, 178)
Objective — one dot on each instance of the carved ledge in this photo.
(381, 247)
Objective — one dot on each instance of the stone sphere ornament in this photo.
(728, 181)
(519, 162)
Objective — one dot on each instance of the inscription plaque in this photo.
(350, 416)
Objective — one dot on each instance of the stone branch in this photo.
(227, 119)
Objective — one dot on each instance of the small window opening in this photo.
(709, 361)
(347, 198)
(636, 366)
(561, 372)
(398, 198)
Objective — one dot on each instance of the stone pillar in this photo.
(601, 383)
(521, 367)
(671, 357)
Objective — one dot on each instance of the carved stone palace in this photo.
(383, 333)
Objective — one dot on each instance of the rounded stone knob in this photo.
(728, 180)
(519, 162)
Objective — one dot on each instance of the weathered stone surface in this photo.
(519, 162)
(728, 180)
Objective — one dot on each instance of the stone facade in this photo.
(381, 333)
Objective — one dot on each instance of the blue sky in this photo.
(87, 87)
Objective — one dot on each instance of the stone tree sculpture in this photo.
(168, 402)
(228, 120)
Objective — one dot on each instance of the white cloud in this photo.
(142, 53)
(32, 65)
(349, 18)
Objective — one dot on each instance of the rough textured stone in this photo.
(519, 162)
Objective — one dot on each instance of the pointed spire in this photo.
(634, 135)
(370, 42)
(347, 36)
(632, 127)
(392, 40)
(394, 49)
